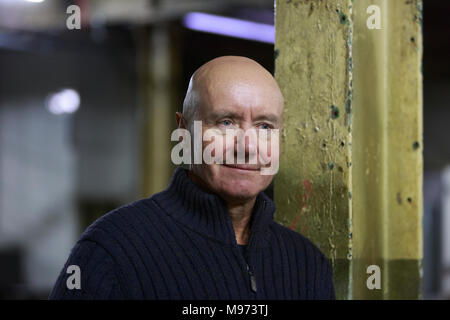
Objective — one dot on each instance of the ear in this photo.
(180, 120)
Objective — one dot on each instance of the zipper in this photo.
(250, 273)
(252, 279)
(246, 257)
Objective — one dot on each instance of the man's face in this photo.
(232, 106)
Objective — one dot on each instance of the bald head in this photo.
(229, 76)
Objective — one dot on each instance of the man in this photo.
(211, 233)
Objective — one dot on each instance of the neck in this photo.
(240, 212)
(240, 215)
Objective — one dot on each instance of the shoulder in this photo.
(120, 222)
(89, 273)
(106, 254)
(124, 232)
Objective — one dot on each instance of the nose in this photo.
(247, 140)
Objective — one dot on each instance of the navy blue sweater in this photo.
(180, 244)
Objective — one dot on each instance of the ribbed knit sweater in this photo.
(180, 244)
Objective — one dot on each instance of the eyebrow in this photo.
(268, 117)
(228, 114)
(224, 114)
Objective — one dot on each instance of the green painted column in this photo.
(350, 174)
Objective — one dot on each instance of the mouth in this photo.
(243, 167)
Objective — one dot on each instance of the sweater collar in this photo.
(207, 213)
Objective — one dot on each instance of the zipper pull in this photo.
(252, 280)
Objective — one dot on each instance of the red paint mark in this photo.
(304, 229)
(307, 185)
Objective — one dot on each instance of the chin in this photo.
(239, 193)
(242, 187)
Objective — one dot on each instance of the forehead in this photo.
(244, 98)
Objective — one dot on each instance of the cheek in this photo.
(275, 150)
(269, 151)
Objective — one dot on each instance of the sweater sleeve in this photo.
(89, 273)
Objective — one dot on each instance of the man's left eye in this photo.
(264, 126)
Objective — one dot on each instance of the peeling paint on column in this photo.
(342, 17)
(334, 112)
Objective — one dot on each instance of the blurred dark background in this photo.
(82, 113)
